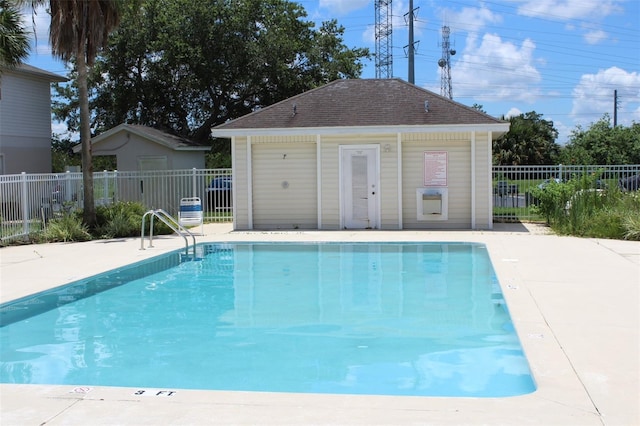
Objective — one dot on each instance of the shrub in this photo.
(551, 201)
(631, 218)
(118, 220)
(578, 208)
(124, 219)
(66, 228)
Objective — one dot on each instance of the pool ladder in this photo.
(172, 223)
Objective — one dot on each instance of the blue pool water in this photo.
(387, 318)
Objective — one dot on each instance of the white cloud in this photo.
(593, 96)
(595, 37)
(564, 131)
(569, 9)
(513, 112)
(470, 19)
(60, 129)
(343, 7)
(497, 70)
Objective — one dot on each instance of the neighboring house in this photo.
(363, 154)
(142, 148)
(25, 119)
(145, 149)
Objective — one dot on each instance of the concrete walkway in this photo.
(574, 302)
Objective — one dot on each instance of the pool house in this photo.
(363, 154)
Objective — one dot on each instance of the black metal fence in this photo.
(513, 185)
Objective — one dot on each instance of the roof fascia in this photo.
(126, 128)
(497, 128)
(36, 73)
(192, 148)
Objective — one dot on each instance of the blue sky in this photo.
(560, 58)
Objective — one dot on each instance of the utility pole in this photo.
(411, 51)
(615, 108)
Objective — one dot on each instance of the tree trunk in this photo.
(89, 212)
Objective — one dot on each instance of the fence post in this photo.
(115, 186)
(106, 187)
(67, 186)
(25, 204)
(193, 183)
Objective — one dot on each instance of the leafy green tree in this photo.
(62, 154)
(603, 143)
(184, 66)
(529, 141)
(479, 107)
(14, 38)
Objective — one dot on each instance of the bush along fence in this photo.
(513, 186)
(29, 201)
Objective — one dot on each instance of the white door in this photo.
(359, 186)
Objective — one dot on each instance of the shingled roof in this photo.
(359, 103)
(168, 140)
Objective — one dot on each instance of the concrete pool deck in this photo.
(575, 304)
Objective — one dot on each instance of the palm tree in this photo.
(14, 39)
(78, 30)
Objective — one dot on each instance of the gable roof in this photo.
(353, 104)
(176, 143)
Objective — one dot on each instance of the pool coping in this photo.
(577, 318)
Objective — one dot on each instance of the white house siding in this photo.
(284, 184)
(25, 124)
(457, 145)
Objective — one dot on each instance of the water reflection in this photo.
(414, 319)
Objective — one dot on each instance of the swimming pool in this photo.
(386, 318)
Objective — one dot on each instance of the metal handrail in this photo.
(172, 223)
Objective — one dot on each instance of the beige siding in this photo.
(240, 185)
(284, 186)
(484, 206)
(389, 217)
(330, 183)
(458, 179)
(292, 159)
(388, 191)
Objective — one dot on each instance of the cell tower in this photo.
(445, 64)
(384, 29)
